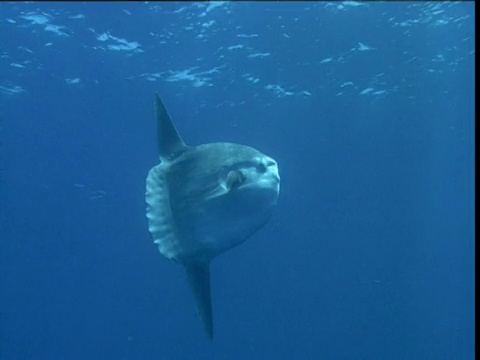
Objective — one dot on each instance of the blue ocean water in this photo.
(368, 109)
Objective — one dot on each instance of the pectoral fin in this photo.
(198, 274)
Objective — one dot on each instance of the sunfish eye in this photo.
(261, 167)
(234, 179)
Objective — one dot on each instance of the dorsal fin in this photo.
(168, 139)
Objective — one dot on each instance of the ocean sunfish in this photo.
(204, 200)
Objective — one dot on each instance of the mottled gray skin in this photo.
(204, 200)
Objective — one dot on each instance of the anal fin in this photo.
(198, 274)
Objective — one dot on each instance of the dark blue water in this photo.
(368, 109)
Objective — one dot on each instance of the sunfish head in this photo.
(204, 200)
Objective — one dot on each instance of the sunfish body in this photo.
(204, 200)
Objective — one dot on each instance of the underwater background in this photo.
(368, 109)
